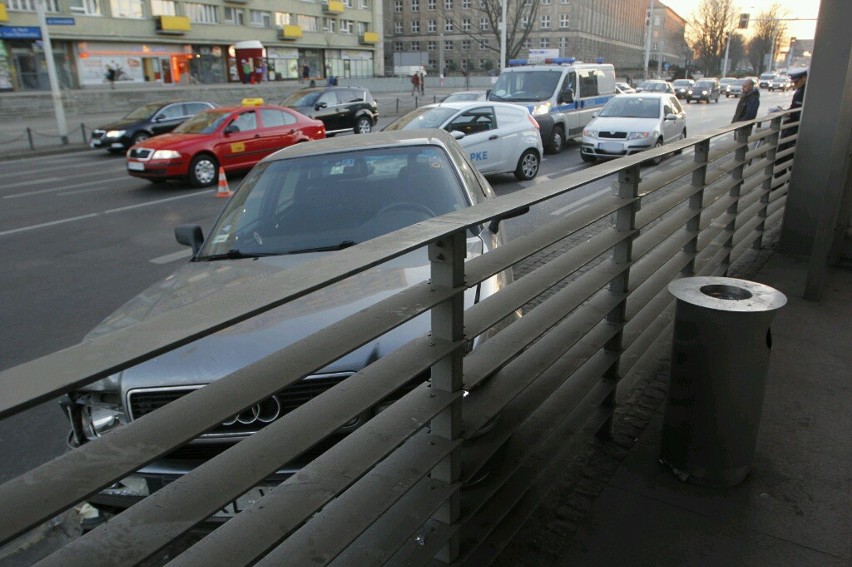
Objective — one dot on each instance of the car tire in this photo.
(657, 160)
(682, 137)
(139, 137)
(363, 125)
(203, 170)
(528, 165)
(556, 141)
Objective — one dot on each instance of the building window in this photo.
(565, 2)
(465, 45)
(347, 3)
(415, 5)
(431, 26)
(49, 6)
(163, 8)
(544, 42)
(307, 23)
(448, 45)
(235, 16)
(397, 6)
(415, 46)
(431, 46)
(283, 19)
(483, 24)
(415, 27)
(346, 26)
(563, 21)
(545, 2)
(364, 4)
(363, 28)
(527, 43)
(466, 24)
(126, 8)
(201, 13)
(87, 7)
(431, 5)
(448, 4)
(329, 25)
(545, 22)
(563, 43)
(397, 27)
(397, 46)
(466, 4)
(483, 63)
(260, 19)
(448, 26)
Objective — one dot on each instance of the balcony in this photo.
(333, 7)
(290, 32)
(368, 38)
(4, 17)
(172, 25)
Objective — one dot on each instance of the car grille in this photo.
(612, 135)
(140, 153)
(144, 401)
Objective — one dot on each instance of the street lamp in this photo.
(648, 36)
(51, 73)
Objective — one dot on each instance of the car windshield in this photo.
(423, 117)
(143, 112)
(682, 83)
(653, 87)
(332, 201)
(528, 86)
(462, 97)
(633, 107)
(703, 85)
(302, 98)
(205, 122)
(766, 76)
(740, 81)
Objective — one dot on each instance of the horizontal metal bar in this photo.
(663, 253)
(709, 260)
(656, 282)
(776, 205)
(665, 177)
(646, 313)
(722, 150)
(716, 213)
(746, 232)
(749, 209)
(642, 344)
(652, 211)
(774, 217)
(296, 500)
(650, 239)
(721, 171)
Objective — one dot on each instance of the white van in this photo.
(561, 93)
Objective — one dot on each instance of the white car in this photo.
(499, 137)
(632, 123)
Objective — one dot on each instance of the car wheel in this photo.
(140, 137)
(657, 160)
(557, 140)
(203, 170)
(528, 165)
(363, 125)
(682, 137)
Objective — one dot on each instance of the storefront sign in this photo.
(60, 21)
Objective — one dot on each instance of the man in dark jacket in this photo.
(748, 103)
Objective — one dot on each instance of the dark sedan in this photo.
(148, 120)
(341, 109)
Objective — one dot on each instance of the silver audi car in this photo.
(309, 200)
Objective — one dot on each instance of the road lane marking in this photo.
(579, 203)
(566, 171)
(172, 257)
(107, 212)
(57, 189)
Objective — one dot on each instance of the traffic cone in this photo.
(224, 189)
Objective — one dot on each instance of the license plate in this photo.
(613, 147)
(135, 166)
(247, 500)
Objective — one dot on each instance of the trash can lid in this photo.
(727, 294)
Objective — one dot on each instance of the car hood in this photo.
(230, 349)
(174, 140)
(621, 124)
(121, 124)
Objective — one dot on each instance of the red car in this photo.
(235, 137)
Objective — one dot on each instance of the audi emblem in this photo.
(264, 412)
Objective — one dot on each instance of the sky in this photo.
(795, 9)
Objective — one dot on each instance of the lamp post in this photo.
(648, 37)
(503, 34)
(58, 110)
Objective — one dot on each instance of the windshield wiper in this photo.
(340, 246)
(233, 255)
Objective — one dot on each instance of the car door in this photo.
(481, 139)
(240, 144)
(672, 128)
(327, 109)
(168, 118)
(278, 130)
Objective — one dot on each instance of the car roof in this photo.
(646, 94)
(421, 136)
(328, 88)
(464, 104)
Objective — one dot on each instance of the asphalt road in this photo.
(79, 238)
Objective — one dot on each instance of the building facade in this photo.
(457, 36)
(177, 41)
(668, 46)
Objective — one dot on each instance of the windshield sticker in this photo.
(220, 238)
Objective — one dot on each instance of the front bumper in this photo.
(611, 149)
(157, 169)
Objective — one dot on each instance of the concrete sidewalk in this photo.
(616, 505)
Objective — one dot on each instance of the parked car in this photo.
(633, 123)
(706, 89)
(655, 86)
(499, 137)
(141, 123)
(725, 85)
(341, 109)
(765, 80)
(737, 86)
(466, 96)
(233, 137)
(300, 204)
(683, 88)
(624, 88)
(780, 83)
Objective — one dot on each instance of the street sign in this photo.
(60, 21)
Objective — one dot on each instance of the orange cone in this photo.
(224, 189)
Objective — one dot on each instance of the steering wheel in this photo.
(407, 206)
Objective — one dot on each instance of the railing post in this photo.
(446, 258)
(624, 221)
(741, 136)
(768, 171)
(83, 130)
(696, 203)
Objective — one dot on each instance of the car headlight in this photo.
(590, 133)
(166, 154)
(114, 133)
(541, 108)
(704, 92)
(638, 135)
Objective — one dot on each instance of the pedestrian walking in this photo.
(800, 79)
(246, 66)
(422, 78)
(111, 75)
(306, 72)
(748, 104)
(415, 84)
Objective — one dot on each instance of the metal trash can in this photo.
(720, 357)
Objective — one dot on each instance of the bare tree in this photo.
(711, 21)
(769, 31)
(520, 14)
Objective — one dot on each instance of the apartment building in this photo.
(182, 41)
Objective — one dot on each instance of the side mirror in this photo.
(320, 105)
(190, 235)
(158, 118)
(494, 225)
(670, 117)
(457, 134)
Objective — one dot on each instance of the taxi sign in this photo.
(252, 102)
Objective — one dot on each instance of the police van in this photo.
(561, 93)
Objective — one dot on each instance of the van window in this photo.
(530, 86)
(589, 82)
(570, 82)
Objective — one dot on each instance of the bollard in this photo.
(720, 356)
(83, 130)
(30, 138)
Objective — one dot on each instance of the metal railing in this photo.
(434, 477)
